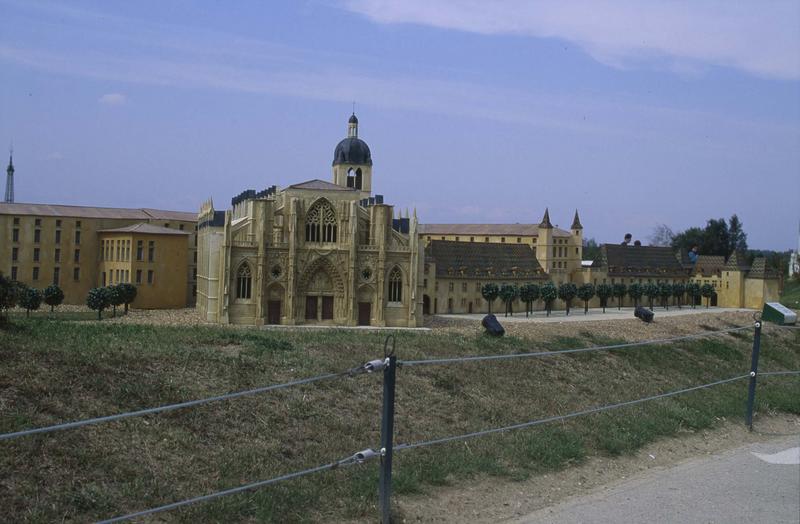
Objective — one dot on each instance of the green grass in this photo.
(791, 293)
(56, 371)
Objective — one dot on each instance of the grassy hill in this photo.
(56, 371)
(791, 293)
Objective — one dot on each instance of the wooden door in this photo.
(327, 308)
(311, 308)
(364, 313)
(273, 312)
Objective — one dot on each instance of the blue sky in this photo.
(636, 113)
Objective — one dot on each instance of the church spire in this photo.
(576, 222)
(9, 199)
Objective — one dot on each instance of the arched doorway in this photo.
(321, 293)
(426, 305)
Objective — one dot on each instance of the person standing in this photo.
(628, 238)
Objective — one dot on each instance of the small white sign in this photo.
(789, 316)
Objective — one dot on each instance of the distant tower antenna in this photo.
(9, 199)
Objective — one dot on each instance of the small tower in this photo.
(544, 244)
(576, 247)
(9, 199)
(352, 161)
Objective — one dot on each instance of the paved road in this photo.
(576, 314)
(754, 483)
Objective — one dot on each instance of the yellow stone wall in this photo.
(75, 285)
(160, 283)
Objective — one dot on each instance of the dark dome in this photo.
(352, 150)
(353, 119)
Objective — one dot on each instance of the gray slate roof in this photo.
(58, 210)
(624, 261)
(145, 229)
(483, 260)
(318, 185)
(511, 230)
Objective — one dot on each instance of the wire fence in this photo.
(388, 365)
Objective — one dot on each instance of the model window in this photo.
(321, 223)
(244, 281)
(395, 285)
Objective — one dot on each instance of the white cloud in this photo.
(760, 38)
(113, 99)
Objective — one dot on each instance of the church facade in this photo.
(313, 253)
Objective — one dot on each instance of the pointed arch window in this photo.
(396, 285)
(244, 282)
(321, 223)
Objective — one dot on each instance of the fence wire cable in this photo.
(564, 417)
(539, 354)
(353, 459)
(181, 405)
(776, 373)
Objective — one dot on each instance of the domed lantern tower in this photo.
(352, 161)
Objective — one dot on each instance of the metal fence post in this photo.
(751, 392)
(387, 432)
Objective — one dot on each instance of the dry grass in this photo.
(57, 371)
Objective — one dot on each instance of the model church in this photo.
(316, 252)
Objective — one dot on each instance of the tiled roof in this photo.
(484, 260)
(147, 229)
(759, 269)
(708, 265)
(737, 262)
(511, 230)
(638, 261)
(318, 184)
(59, 210)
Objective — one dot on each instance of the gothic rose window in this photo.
(395, 285)
(321, 223)
(244, 282)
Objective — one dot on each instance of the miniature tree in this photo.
(651, 292)
(115, 297)
(619, 291)
(567, 292)
(678, 290)
(489, 292)
(586, 293)
(8, 296)
(528, 293)
(98, 299)
(508, 292)
(707, 291)
(635, 291)
(549, 294)
(53, 296)
(30, 298)
(665, 291)
(693, 290)
(604, 292)
(129, 292)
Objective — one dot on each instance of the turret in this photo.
(352, 161)
(544, 244)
